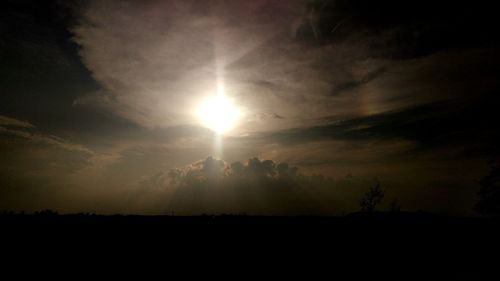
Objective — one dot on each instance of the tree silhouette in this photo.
(489, 194)
(372, 198)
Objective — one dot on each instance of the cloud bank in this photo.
(253, 187)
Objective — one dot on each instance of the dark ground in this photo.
(378, 246)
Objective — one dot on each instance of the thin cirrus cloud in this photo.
(155, 60)
(172, 53)
(22, 129)
(8, 121)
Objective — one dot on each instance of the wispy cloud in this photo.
(12, 122)
(173, 52)
(21, 130)
(273, 61)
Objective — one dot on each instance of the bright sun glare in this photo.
(218, 114)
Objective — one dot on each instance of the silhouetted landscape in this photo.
(376, 245)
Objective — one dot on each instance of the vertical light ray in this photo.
(217, 148)
(220, 90)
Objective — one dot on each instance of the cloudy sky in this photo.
(99, 99)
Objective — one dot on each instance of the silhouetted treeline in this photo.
(370, 245)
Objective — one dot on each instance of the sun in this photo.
(218, 113)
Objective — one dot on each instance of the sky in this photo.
(99, 99)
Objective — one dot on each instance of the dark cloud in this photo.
(430, 126)
(253, 187)
(265, 187)
(402, 30)
(348, 85)
(41, 73)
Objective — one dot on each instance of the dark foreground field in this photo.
(377, 246)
